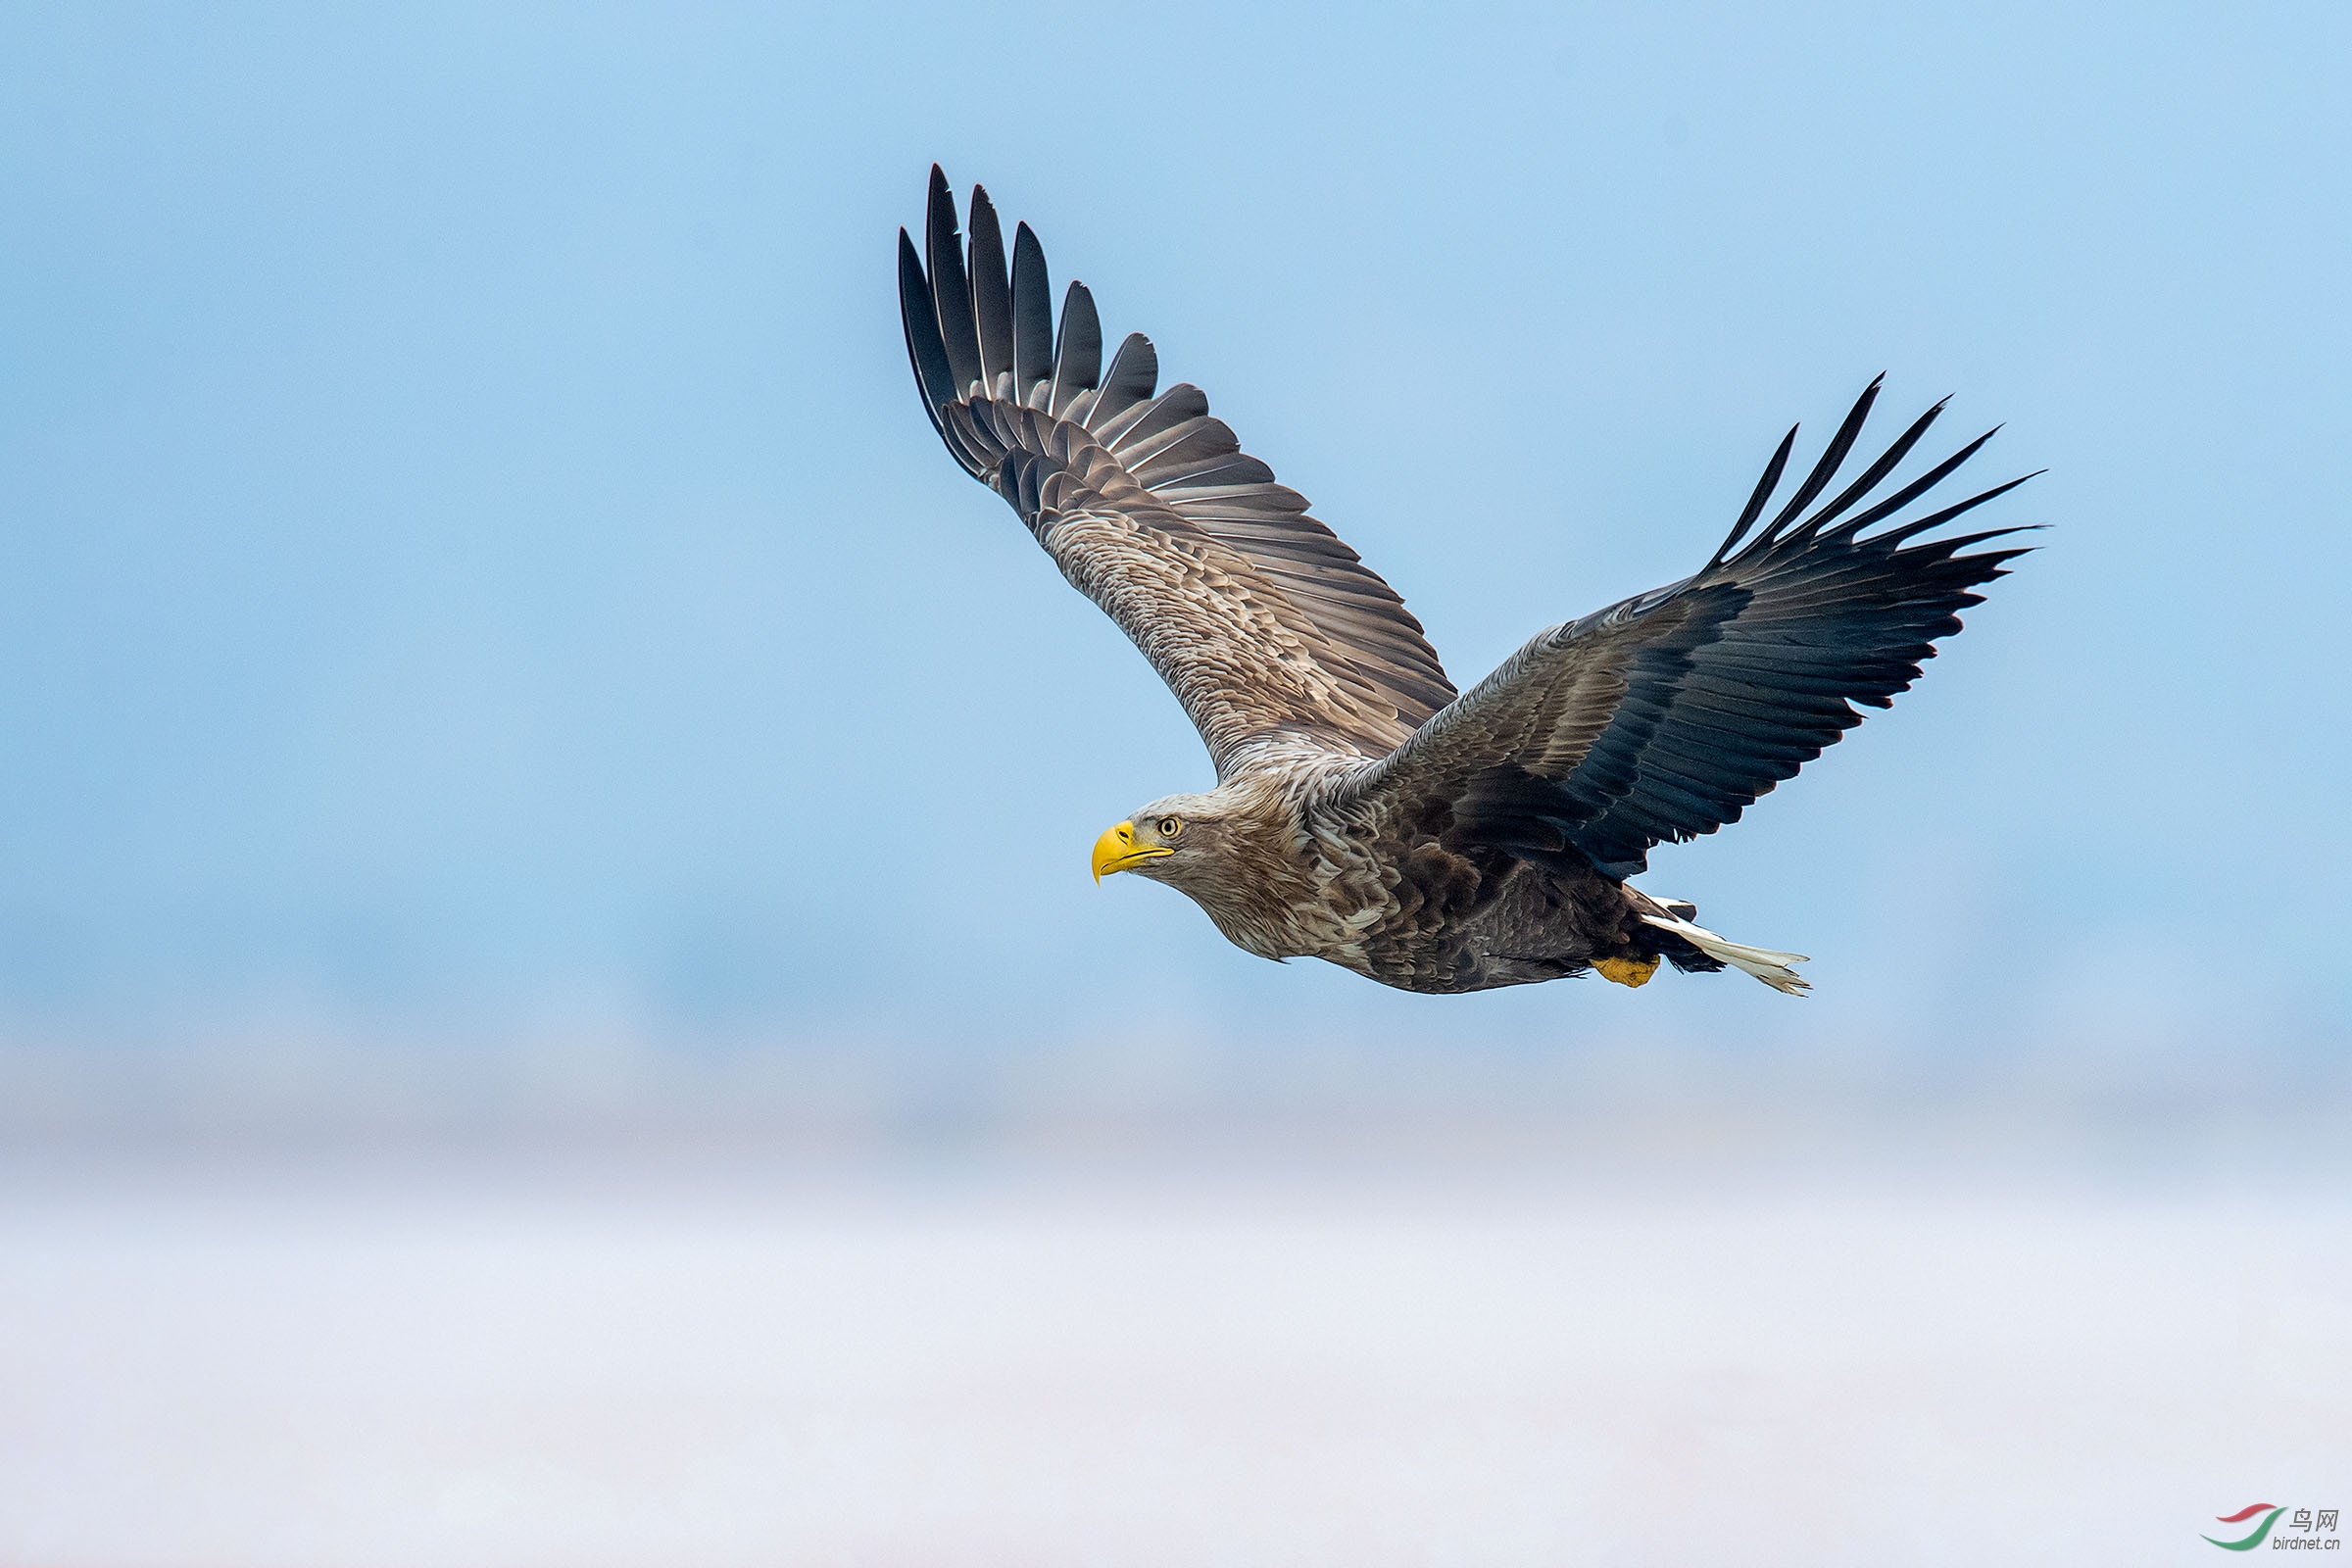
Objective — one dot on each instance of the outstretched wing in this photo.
(1664, 716)
(1265, 623)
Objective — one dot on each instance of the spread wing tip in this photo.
(1791, 524)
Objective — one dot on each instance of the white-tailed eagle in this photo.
(1364, 811)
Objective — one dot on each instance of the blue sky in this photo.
(471, 556)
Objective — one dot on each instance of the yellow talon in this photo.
(1626, 971)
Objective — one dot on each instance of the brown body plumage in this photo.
(1366, 814)
(1285, 873)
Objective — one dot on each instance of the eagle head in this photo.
(1236, 852)
(1174, 835)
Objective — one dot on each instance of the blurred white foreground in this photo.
(647, 1358)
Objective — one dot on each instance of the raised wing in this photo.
(1263, 622)
(1664, 716)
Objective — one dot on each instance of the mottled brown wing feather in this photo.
(1664, 716)
(1268, 628)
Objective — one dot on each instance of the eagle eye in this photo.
(1170, 826)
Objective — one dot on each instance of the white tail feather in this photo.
(1763, 963)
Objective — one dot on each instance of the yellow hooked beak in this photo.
(1117, 851)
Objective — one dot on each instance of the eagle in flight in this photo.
(1365, 812)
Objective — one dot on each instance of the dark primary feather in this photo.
(1664, 716)
(1263, 620)
(1077, 348)
(933, 375)
(951, 300)
(992, 295)
(1032, 319)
